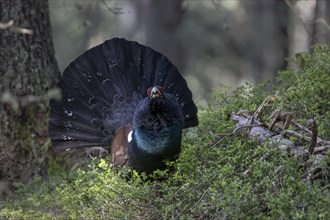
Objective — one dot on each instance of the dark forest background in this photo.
(211, 42)
(215, 42)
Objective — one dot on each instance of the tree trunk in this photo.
(268, 42)
(321, 32)
(161, 20)
(28, 70)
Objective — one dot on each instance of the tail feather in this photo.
(101, 88)
(61, 125)
(60, 145)
(74, 135)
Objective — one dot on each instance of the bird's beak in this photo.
(155, 93)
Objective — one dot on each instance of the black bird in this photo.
(127, 96)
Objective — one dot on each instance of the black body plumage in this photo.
(104, 90)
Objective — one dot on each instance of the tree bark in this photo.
(161, 20)
(267, 43)
(321, 32)
(28, 69)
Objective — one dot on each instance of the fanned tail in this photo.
(101, 88)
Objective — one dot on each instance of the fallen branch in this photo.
(251, 126)
(321, 148)
(260, 133)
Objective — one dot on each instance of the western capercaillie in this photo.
(126, 96)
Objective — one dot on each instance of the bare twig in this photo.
(246, 172)
(117, 11)
(6, 25)
(321, 148)
(234, 131)
(285, 117)
(314, 137)
(218, 142)
(325, 187)
(304, 137)
(278, 170)
(322, 142)
(10, 25)
(301, 127)
(16, 102)
(200, 199)
(257, 114)
(276, 118)
(288, 120)
(296, 134)
(22, 30)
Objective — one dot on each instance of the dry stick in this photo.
(211, 179)
(314, 137)
(200, 199)
(305, 138)
(310, 173)
(276, 119)
(321, 148)
(257, 114)
(218, 142)
(10, 25)
(234, 131)
(316, 176)
(325, 187)
(278, 170)
(116, 12)
(296, 134)
(323, 142)
(6, 25)
(301, 127)
(287, 122)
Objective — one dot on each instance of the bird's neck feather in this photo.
(164, 142)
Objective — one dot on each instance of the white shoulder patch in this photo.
(129, 136)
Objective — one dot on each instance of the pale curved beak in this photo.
(155, 93)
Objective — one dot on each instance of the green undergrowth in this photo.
(217, 176)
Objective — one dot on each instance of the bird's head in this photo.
(155, 92)
(158, 110)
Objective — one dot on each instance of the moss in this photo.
(304, 88)
(216, 176)
(24, 142)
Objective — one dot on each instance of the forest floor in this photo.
(260, 152)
